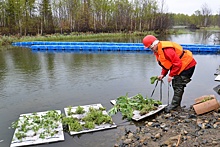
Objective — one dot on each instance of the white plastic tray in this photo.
(217, 78)
(137, 115)
(35, 139)
(86, 108)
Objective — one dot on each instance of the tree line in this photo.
(32, 17)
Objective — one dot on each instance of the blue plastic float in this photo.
(106, 46)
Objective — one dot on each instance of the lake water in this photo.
(41, 81)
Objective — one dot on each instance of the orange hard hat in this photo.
(148, 40)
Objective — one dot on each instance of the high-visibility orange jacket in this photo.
(185, 55)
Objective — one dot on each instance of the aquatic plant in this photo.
(126, 105)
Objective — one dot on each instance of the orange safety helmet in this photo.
(148, 40)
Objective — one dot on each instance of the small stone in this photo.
(215, 114)
(206, 121)
(183, 117)
(165, 129)
(187, 120)
(127, 141)
(192, 116)
(145, 143)
(203, 125)
(215, 126)
(204, 141)
(155, 125)
(184, 132)
(149, 123)
(199, 121)
(214, 142)
(130, 135)
(209, 126)
(196, 144)
(167, 115)
(163, 125)
(157, 135)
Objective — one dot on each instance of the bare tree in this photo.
(206, 13)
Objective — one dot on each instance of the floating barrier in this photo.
(89, 47)
(28, 44)
(106, 46)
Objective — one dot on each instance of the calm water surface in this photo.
(41, 81)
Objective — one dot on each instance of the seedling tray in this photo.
(205, 104)
(52, 133)
(217, 78)
(80, 116)
(137, 115)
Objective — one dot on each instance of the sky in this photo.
(190, 6)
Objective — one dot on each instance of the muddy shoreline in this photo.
(181, 128)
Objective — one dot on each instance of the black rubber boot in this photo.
(178, 87)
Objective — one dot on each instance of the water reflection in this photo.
(211, 37)
(197, 37)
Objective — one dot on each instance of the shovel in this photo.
(153, 79)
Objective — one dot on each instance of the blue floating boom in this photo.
(105, 46)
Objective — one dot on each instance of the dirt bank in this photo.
(181, 128)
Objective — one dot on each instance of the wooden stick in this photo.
(178, 142)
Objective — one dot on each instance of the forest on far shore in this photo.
(41, 17)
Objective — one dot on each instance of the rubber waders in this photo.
(178, 83)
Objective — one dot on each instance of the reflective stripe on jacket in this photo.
(185, 55)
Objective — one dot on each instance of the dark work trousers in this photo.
(179, 82)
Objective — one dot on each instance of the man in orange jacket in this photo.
(173, 59)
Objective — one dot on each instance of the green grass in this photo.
(76, 36)
(211, 28)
